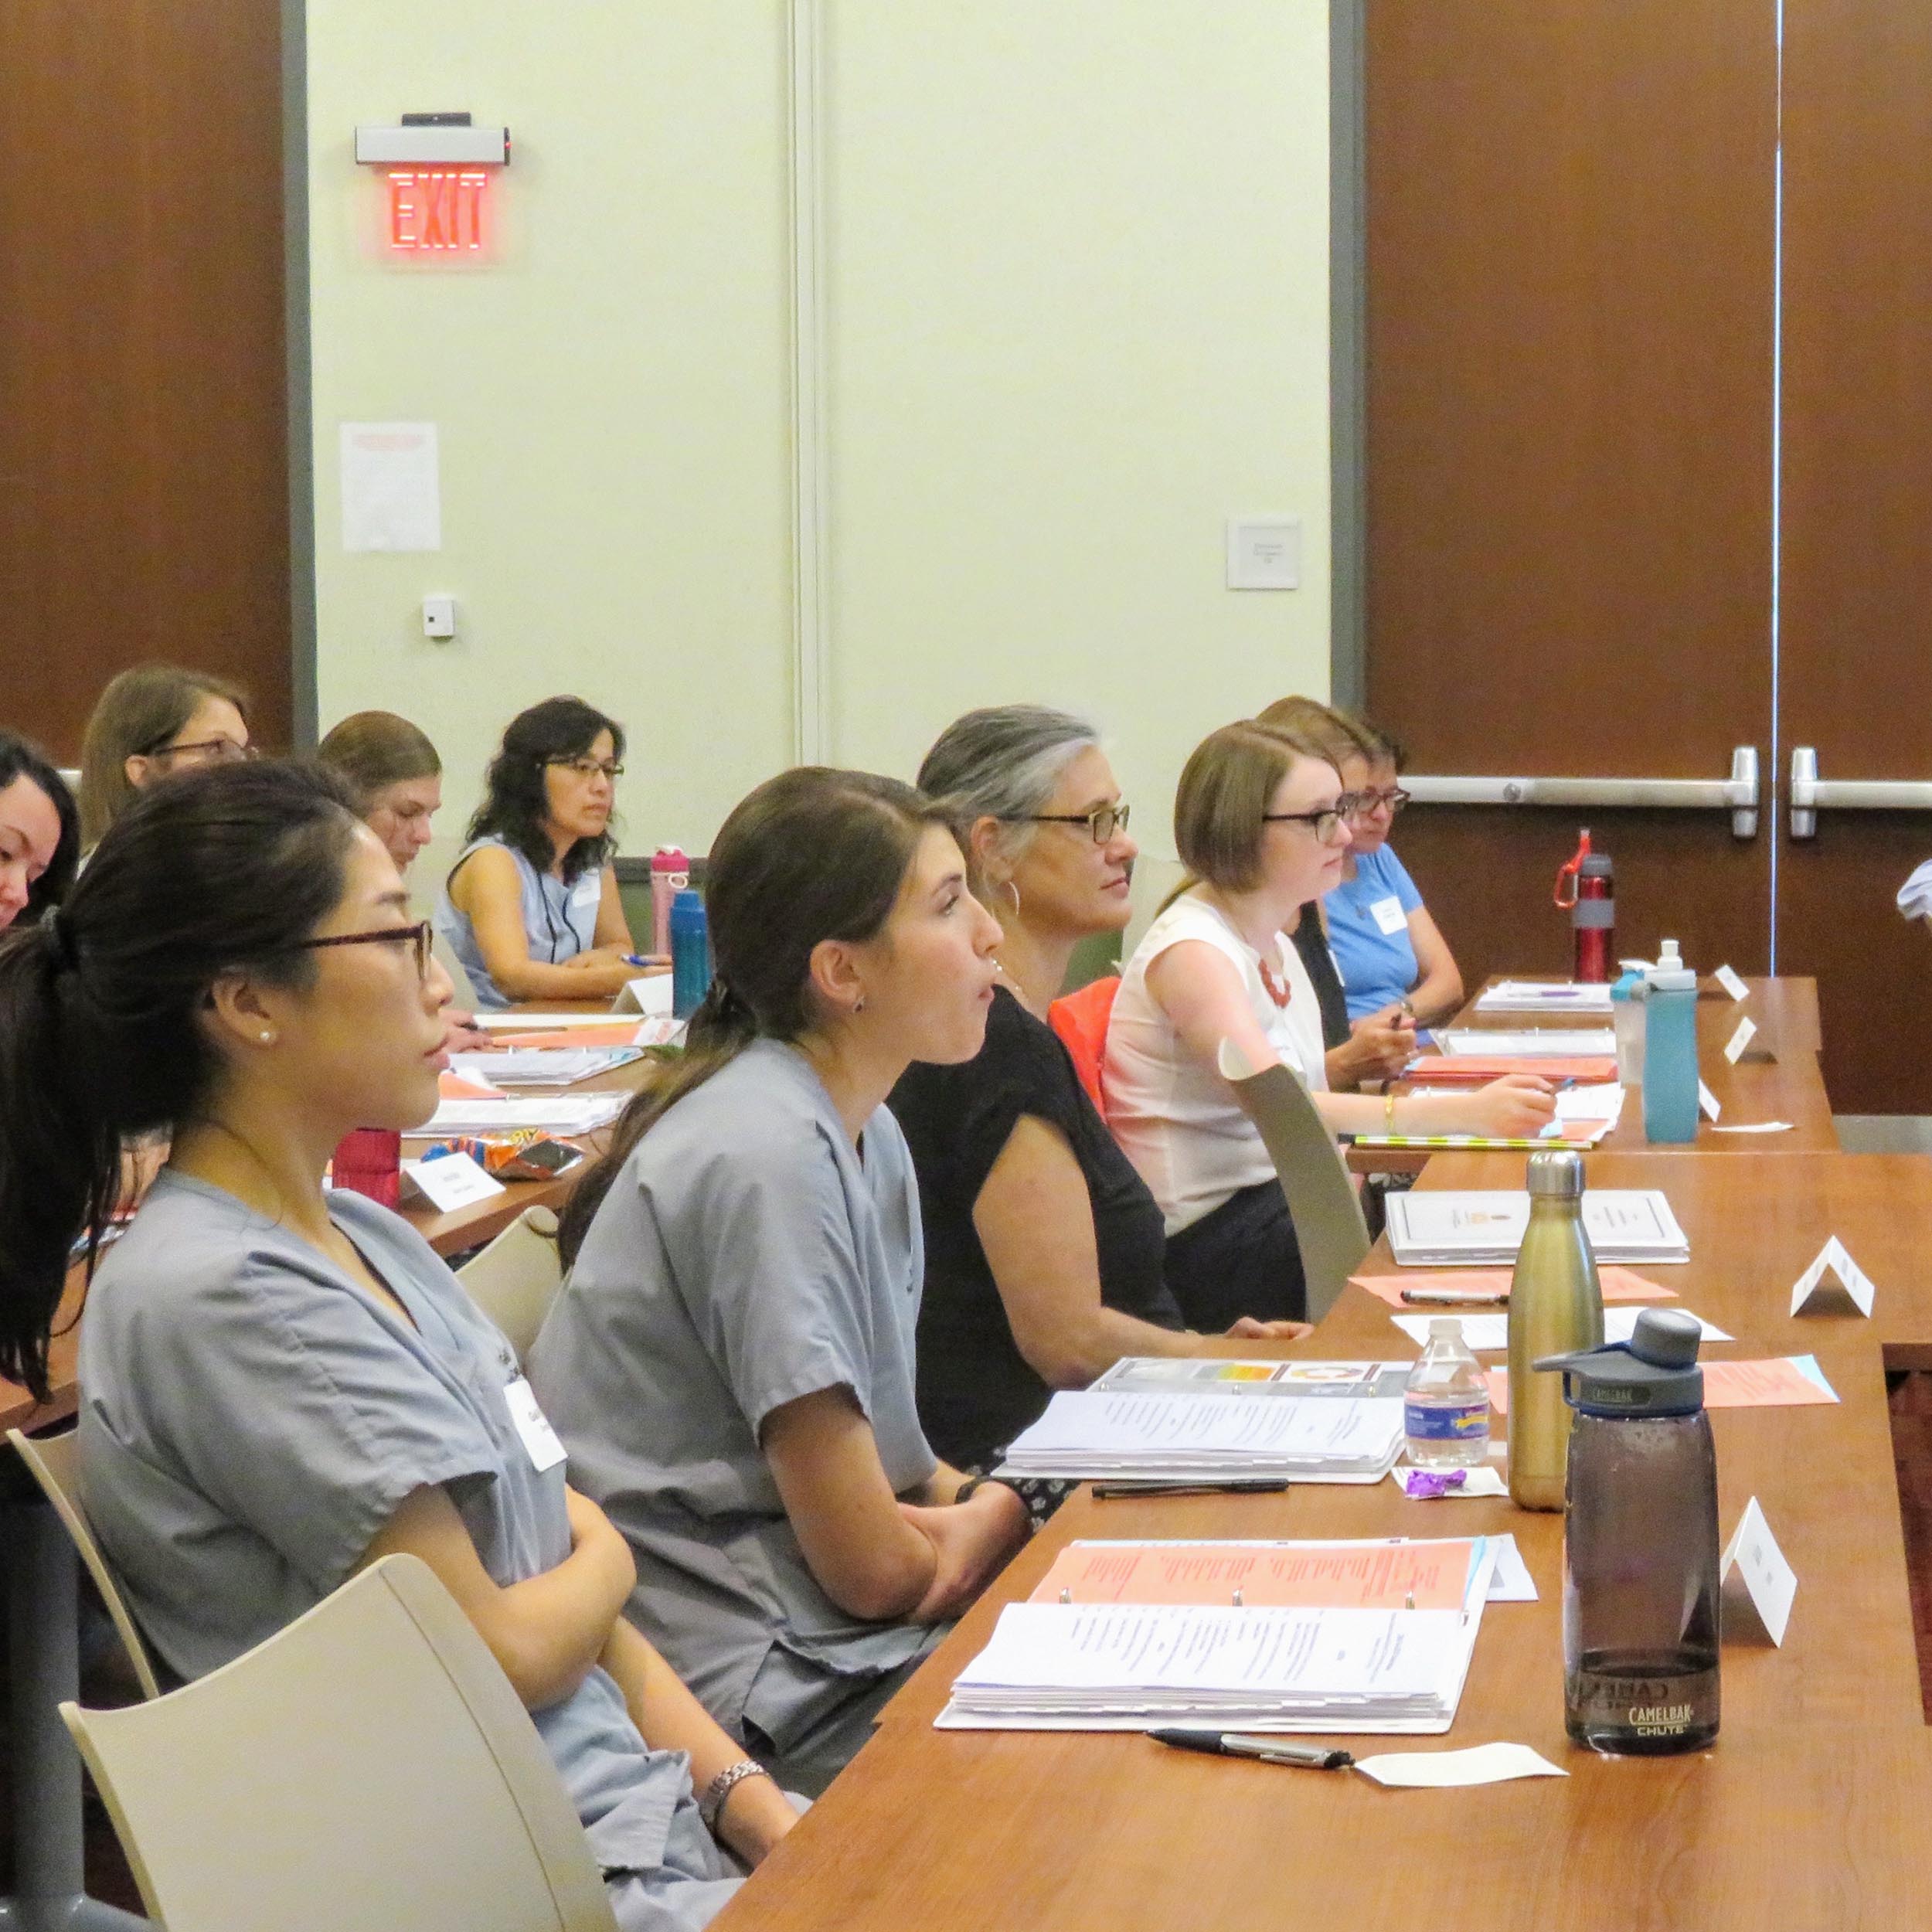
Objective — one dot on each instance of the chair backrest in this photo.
(53, 1465)
(368, 1766)
(445, 954)
(1329, 1227)
(515, 1279)
(1080, 1020)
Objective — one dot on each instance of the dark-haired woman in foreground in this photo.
(531, 907)
(39, 833)
(731, 1362)
(281, 1385)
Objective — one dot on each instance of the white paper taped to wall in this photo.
(392, 495)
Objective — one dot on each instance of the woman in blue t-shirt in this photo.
(1390, 953)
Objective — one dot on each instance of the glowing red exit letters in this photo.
(437, 211)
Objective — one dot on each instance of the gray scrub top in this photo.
(744, 1257)
(250, 1419)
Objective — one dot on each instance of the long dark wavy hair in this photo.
(515, 806)
(812, 855)
(20, 760)
(100, 1038)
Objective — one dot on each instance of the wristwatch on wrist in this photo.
(711, 1806)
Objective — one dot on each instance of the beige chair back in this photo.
(1323, 1202)
(445, 957)
(515, 1279)
(369, 1766)
(54, 1464)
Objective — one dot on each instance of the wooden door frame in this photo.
(301, 444)
(1348, 355)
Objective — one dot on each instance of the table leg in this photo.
(43, 1630)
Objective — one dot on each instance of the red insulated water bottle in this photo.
(1586, 887)
(370, 1161)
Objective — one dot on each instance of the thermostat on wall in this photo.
(449, 139)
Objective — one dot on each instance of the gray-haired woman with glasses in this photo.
(531, 907)
(1044, 1249)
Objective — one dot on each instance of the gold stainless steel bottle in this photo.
(1556, 1308)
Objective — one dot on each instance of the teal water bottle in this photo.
(1670, 1051)
(690, 954)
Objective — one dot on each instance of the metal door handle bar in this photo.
(1810, 792)
(1737, 794)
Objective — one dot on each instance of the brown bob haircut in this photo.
(1221, 804)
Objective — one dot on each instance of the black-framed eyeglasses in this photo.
(1365, 802)
(1324, 824)
(420, 936)
(589, 768)
(1101, 823)
(217, 751)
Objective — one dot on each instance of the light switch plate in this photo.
(1265, 553)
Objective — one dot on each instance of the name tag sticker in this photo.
(1731, 983)
(1746, 1032)
(539, 1439)
(588, 890)
(1388, 916)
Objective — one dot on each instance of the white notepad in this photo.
(1458, 1230)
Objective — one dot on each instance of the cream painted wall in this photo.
(610, 392)
(1080, 297)
(1075, 315)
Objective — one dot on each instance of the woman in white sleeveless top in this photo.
(531, 908)
(1260, 822)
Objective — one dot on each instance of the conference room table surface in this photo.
(1808, 1810)
(1776, 1078)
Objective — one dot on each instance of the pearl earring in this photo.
(268, 1039)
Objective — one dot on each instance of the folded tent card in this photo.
(1757, 1585)
(1835, 1260)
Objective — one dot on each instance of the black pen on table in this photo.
(1240, 1486)
(1269, 1749)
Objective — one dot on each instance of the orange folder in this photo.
(1374, 1576)
(1461, 1069)
(1777, 1383)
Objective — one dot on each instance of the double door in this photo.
(1649, 510)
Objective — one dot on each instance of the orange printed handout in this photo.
(1300, 1576)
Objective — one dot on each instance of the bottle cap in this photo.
(669, 859)
(1556, 1173)
(1671, 979)
(1445, 1327)
(689, 899)
(1669, 955)
(1597, 866)
(1654, 1373)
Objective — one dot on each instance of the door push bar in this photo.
(1810, 793)
(1736, 794)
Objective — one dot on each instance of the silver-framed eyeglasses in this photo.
(1365, 803)
(1101, 823)
(589, 768)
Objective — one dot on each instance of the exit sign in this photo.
(437, 210)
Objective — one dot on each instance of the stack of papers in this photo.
(1457, 1230)
(1540, 996)
(543, 1066)
(1554, 1043)
(564, 1113)
(1584, 1116)
(1215, 1421)
(1356, 1658)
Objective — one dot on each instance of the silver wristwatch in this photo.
(712, 1803)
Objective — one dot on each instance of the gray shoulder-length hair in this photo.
(1003, 763)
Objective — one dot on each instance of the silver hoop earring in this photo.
(1007, 885)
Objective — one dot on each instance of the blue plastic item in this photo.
(690, 954)
(1670, 1055)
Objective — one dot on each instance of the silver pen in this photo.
(1268, 1748)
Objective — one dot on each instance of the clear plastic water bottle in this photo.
(1445, 1404)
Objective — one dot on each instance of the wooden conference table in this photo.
(1809, 1812)
(1776, 1079)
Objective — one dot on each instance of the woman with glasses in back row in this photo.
(531, 908)
(1261, 821)
(1391, 956)
(150, 722)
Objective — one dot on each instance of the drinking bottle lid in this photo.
(1668, 955)
(1445, 1327)
(1556, 1173)
(669, 859)
(1654, 1373)
(688, 900)
(1597, 866)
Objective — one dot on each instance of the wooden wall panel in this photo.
(144, 498)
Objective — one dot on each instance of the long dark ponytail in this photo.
(100, 1038)
(812, 855)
